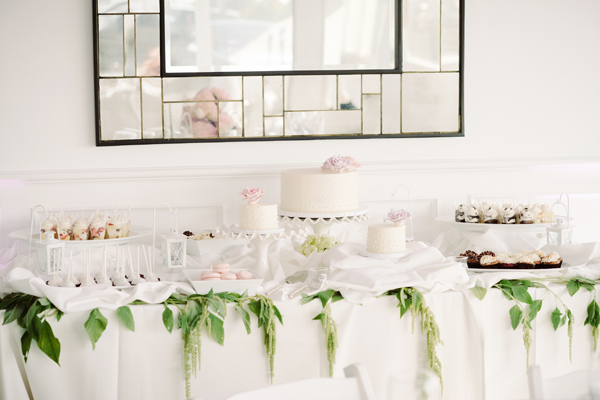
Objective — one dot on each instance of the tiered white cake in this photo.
(259, 216)
(314, 190)
(386, 238)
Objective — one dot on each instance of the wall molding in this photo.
(17, 178)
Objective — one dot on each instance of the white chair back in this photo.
(574, 386)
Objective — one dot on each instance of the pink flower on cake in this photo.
(252, 196)
(398, 217)
(340, 164)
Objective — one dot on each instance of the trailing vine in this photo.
(593, 311)
(411, 299)
(329, 326)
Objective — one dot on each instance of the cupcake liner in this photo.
(525, 266)
(551, 265)
(474, 265)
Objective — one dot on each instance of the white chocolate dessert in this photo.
(114, 227)
(48, 229)
(314, 190)
(259, 216)
(97, 228)
(65, 228)
(80, 230)
(386, 238)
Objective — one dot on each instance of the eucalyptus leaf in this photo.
(25, 344)
(573, 287)
(216, 329)
(555, 317)
(245, 317)
(515, 316)
(325, 296)
(520, 293)
(126, 317)
(95, 326)
(167, 317)
(534, 308)
(479, 292)
(48, 343)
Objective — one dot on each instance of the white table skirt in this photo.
(482, 357)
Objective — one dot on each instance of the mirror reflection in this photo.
(279, 35)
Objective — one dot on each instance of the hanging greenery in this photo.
(329, 326)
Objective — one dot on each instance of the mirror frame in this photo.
(164, 74)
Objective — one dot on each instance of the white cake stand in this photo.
(321, 222)
(262, 240)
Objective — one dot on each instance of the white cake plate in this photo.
(513, 228)
(321, 222)
(135, 233)
(382, 256)
(262, 240)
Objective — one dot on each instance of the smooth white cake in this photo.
(259, 216)
(314, 190)
(386, 238)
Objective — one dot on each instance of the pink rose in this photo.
(219, 93)
(252, 196)
(340, 164)
(204, 94)
(203, 128)
(398, 217)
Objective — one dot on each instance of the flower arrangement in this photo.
(340, 164)
(252, 196)
(398, 217)
(318, 243)
(204, 118)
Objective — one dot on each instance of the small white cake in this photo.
(259, 216)
(386, 238)
(314, 190)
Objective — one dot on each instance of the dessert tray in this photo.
(508, 270)
(135, 233)
(236, 286)
(515, 228)
(383, 256)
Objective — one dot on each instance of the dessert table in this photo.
(482, 357)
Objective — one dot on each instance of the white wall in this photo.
(532, 121)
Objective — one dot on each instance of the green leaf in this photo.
(245, 317)
(555, 317)
(183, 323)
(126, 317)
(534, 308)
(593, 314)
(521, 294)
(13, 298)
(479, 292)
(167, 317)
(25, 344)
(337, 297)
(34, 328)
(278, 314)
(573, 286)
(404, 308)
(217, 307)
(48, 343)
(59, 315)
(44, 301)
(318, 317)
(210, 294)
(216, 329)
(515, 316)
(34, 310)
(254, 306)
(417, 299)
(95, 326)
(307, 299)
(563, 320)
(588, 286)
(193, 314)
(325, 296)
(14, 313)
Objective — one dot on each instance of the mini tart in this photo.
(489, 262)
(525, 265)
(552, 260)
(473, 262)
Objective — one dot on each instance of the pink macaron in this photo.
(243, 274)
(220, 267)
(210, 275)
(211, 279)
(228, 276)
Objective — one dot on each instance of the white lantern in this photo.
(50, 252)
(173, 245)
(560, 232)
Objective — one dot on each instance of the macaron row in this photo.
(221, 272)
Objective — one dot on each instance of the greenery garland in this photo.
(329, 326)
(411, 299)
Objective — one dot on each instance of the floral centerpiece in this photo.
(340, 164)
(203, 119)
(318, 243)
(252, 196)
(398, 217)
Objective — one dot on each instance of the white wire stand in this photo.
(262, 240)
(321, 222)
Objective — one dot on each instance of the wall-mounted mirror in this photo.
(222, 70)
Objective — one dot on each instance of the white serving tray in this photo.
(514, 228)
(135, 233)
(238, 286)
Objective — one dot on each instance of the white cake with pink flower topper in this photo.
(255, 215)
(329, 189)
(388, 237)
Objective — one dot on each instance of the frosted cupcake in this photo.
(114, 227)
(488, 261)
(81, 229)
(527, 262)
(65, 228)
(552, 260)
(97, 228)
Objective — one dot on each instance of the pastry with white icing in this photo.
(490, 215)
(508, 215)
(472, 215)
(459, 214)
(527, 216)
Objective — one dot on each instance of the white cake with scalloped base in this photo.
(260, 216)
(314, 190)
(386, 238)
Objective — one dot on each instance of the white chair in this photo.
(356, 386)
(574, 386)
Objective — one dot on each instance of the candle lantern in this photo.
(173, 245)
(50, 252)
(560, 231)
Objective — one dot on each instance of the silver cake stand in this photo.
(262, 240)
(321, 222)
